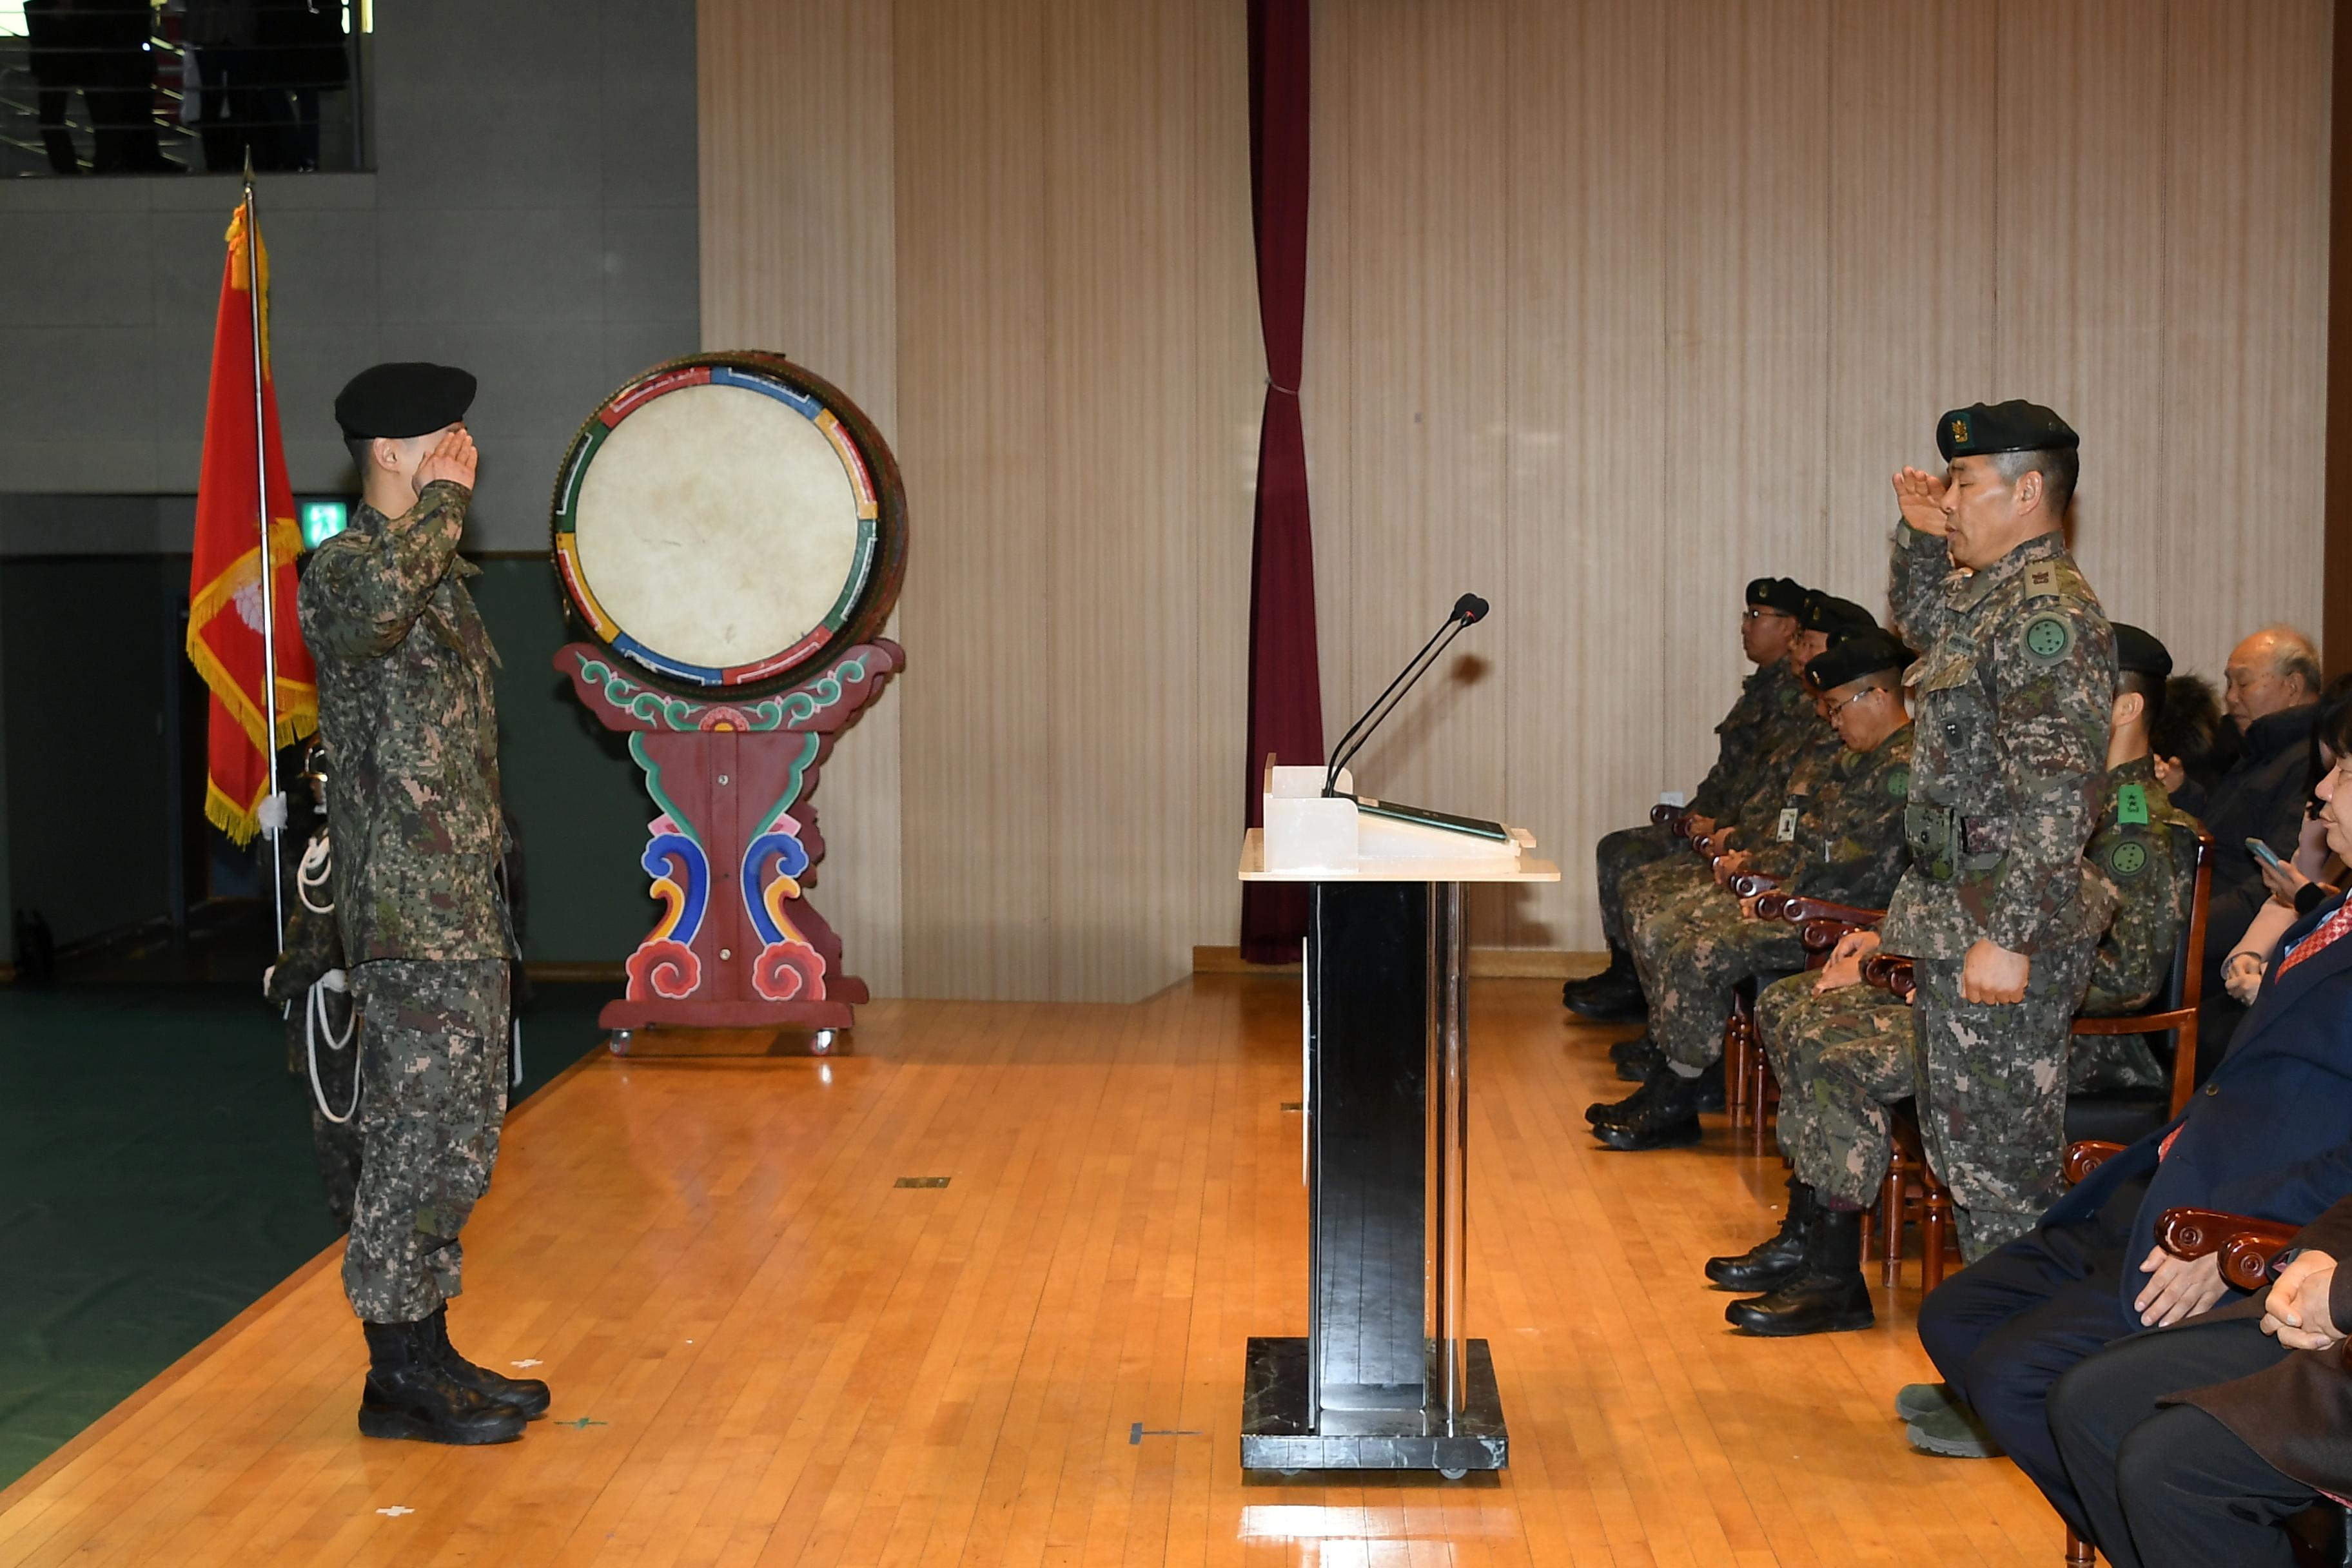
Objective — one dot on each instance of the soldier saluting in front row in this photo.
(406, 711)
(2011, 706)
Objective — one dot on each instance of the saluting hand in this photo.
(452, 459)
(1920, 497)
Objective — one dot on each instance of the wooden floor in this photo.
(763, 1351)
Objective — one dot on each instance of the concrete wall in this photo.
(533, 215)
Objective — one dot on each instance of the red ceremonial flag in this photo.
(225, 591)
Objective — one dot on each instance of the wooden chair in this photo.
(2109, 1117)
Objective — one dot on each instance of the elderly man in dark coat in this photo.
(2193, 1445)
(2273, 698)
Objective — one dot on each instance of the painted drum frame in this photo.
(879, 565)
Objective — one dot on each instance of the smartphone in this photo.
(2265, 854)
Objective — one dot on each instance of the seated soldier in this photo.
(1841, 840)
(1826, 619)
(2267, 1137)
(1768, 714)
(1845, 1052)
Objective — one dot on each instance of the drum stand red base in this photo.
(734, 845)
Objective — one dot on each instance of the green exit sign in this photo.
(322, 520)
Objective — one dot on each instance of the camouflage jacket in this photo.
(412, 733)
(1759, 721)
(2150, 888)
(1845, 840)
(2012, 697)
(1802, 745)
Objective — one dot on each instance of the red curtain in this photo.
(1285, 688)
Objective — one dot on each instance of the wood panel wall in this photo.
(1612, 304)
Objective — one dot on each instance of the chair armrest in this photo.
(1801, 909)
(2088, 1156)
(1891, 972)
(1752, 884)
(1670, 817)
(2248, 1247)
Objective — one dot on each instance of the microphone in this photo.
(1469, 610)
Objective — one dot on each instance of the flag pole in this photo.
(268, 564)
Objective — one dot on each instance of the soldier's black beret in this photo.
(1865, 653)
(2138, 652)
(1840, 618)
(397, 401)
(1983, 428)
(1785, 595)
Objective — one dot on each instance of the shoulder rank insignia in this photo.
(2127, 858)
(2131, 807)
(2049, 638)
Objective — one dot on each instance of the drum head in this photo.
(729, 520)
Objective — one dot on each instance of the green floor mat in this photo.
(155, 1180)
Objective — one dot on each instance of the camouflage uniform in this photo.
(2134, 853)
(2013, 696)
(1758, 725)
(1844, 1057)
(314, 947)
(1800, 741)
(406, 709)
(1841, 840)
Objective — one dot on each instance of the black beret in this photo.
(1865, 653)
(1983, 428)
(397, 401)
(2138, 653)
(1785, 595)
(1840, 618)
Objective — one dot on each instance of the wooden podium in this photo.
(1385, 1377)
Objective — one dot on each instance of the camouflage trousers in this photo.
(1843, 1058)
(1993, 1092)
(334, 1146)
(432, 1066)
(1690, 953)
(1616, 856)
(1648, 889)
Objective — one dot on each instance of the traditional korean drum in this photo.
(729, 521)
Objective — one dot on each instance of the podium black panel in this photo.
(1384, 1378)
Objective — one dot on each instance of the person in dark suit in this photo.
(2192, 1445)
(2273, 691)
(2270, 1136)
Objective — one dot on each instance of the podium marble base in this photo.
(1278, 1434)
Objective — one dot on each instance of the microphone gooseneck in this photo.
(1469, 610)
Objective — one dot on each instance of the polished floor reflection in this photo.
(765, 1350)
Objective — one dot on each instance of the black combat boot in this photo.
(1661, 1114)
(1636, 1065)
(1639, 1047)
(1621, 969)
(526, 1396)
(410, 1395)
(1829, 1296)
(1773, 1262)
(1609, 997)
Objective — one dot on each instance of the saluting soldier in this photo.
(406, 709)
(1844, 1052)
(1841, 840)
(2014, 686)
(1766, 712)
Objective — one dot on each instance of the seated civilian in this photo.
(2270, 1136)
(2191, 1445)
(2273, 698)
